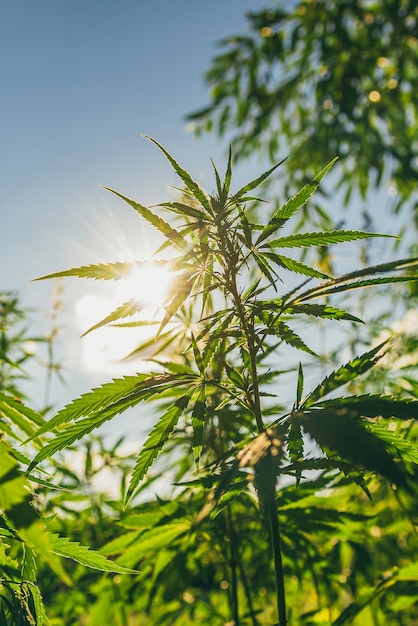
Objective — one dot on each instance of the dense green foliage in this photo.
(291, 500)
(26, 541)
(313, 79)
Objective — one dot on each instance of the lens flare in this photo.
(148, 283)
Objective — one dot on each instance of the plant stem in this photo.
(248, 328)
(230, 275)
(277, 554)
(247, 593)
(233, 566)
(269, 495)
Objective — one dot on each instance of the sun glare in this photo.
(149, 284)
(103, 350)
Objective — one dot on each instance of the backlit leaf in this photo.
(125, 310)
(255, 183)
(291, 206)
(155, 442)
(102, 271)
(354, 368)
(108, 396)
(306, 240)
(153, 540)
(192, 185)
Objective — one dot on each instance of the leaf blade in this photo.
(85, 556)
(155, 442)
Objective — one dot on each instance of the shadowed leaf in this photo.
(342, 432)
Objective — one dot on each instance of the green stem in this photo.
(230, 268)
(277, 554)
(233, 566)
(247, 593)
(248, 328)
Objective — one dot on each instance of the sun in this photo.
(149, 283)
(103, 350)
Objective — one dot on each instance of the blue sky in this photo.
(81, 81)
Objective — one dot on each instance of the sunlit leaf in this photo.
(39, 613)
(307, 240)
(155, 442)
(100, 271)
(193, 186)
(153, 540)
(20, 415)
(161, 225)
(323, 311)
(286, 334)
(86, 556)
(407, 449)
(266, 267)
(14, 495)
(291, 206)
(294, 266)
(365, 597)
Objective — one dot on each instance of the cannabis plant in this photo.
(219, 376)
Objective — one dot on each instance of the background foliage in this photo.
(316, 79)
